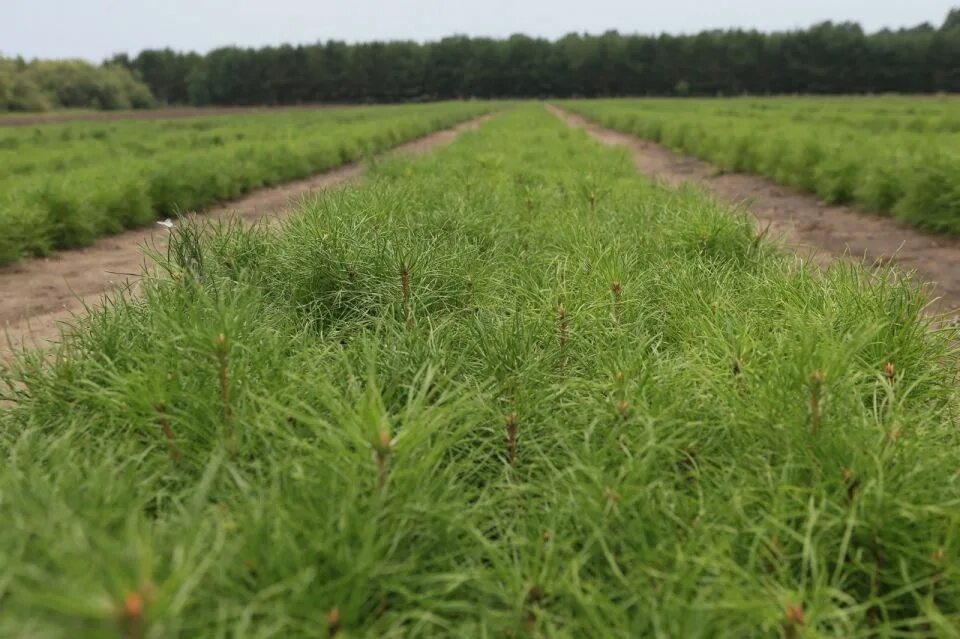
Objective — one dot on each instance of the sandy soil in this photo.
(815, 230)
(37, 296)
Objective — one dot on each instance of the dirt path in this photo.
(38, 295)
(819, 231)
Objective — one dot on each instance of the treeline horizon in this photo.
(827, 58)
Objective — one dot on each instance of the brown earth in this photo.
(37, 296)
(815, 230)
(171, 113)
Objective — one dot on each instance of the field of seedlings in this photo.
(507, 389)
(892, 155)
(63, 185)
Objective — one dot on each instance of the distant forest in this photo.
(827, 58)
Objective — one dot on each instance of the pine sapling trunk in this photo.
(512, 437)
(130, 613)
(333, 622)
(816, 398)
(382, 450)
(167, 431)
(222, 348)
(793, 621)
(617, 289)
(405, 285)
(562, 326)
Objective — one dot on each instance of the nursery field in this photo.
(893, 155)
(506, 389)
(63, 185)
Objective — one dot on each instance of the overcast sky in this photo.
(95, 29)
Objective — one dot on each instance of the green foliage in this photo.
(18, 92)
(91, 179)
(892, 155)
(69, 219)
(53, 84)
(507, 390)
(24, 228)
(826, 58)
(931, 194)
(122, 200)
(952, 20)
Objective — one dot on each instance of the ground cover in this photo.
(507, 389)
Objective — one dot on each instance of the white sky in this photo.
(95, 29)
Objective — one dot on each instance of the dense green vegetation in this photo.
(61, 186)
(826, 58)
(896, 155)
(41, 85)
(507, 390)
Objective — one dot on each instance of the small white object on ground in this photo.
(167, 223)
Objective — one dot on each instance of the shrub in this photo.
(836, 176)
(70, 220)
(46, 84)
(881, 185)
(24, 225)
(931, 196)
(121, 200)
(885, 154)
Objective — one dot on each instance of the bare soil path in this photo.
(819, 231)
(38, 295)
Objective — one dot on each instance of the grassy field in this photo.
(892, 155)
(63, 185)
(510, 389)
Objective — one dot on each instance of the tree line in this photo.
(826, 58)
(40, 85)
